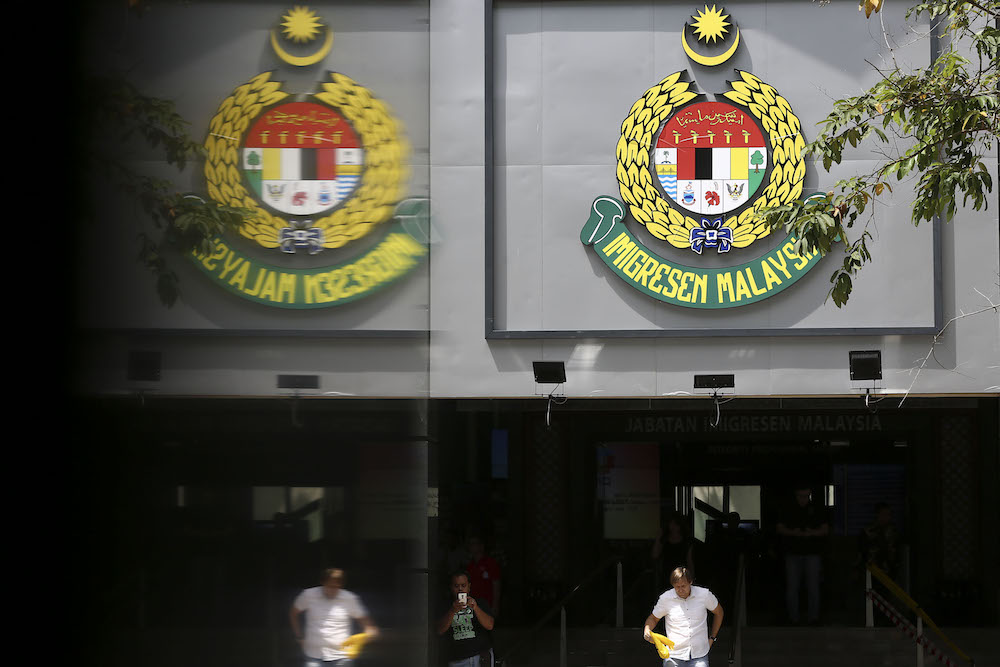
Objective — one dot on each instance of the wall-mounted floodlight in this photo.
(298, 382)
(550, 372)
(143, 365)
(142, 370)
(715, 383)
(866, 365)
(295, 383)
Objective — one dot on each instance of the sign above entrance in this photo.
(747, 424)
(694, 172)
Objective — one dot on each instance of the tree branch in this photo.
(995, 307)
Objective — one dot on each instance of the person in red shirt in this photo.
(484, 573)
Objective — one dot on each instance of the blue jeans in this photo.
(693, 662)
(797, 568)
(474, 661)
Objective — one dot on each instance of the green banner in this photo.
(396, 255)
(687, 286)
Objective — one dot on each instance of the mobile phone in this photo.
(463, 597)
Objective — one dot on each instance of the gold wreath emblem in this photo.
(383, 181)
(654, 108)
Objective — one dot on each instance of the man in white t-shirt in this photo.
(330, 615)
(684, 610)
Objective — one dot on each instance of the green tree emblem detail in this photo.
(756, 160)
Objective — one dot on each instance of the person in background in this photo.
(484, 573)
(725, 546)
(803, 530)
(879, 541)
(673, 548)
(330, 613)
(878, 545)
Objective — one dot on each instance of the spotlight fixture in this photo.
(143, 365)
(298, 382)
(866, 365)
(715, 383)
(550, 372)
(142, 371)
(295, 383)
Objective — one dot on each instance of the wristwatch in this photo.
(714, 638)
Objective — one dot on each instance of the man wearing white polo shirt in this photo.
(684, 610)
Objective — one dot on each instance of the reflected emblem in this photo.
(307, 152)
(319, 171)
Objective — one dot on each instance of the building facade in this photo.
(443, 194)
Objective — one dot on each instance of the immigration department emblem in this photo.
(693, 171)
(319, 171)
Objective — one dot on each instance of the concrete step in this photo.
(588, 647)
(882, 646)
(762, 647)
(823, 647)
(598, 647)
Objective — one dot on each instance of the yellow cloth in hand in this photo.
(352, 645)
(663, 644)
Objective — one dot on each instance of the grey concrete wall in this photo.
(568, 70)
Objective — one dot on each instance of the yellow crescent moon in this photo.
(302, 61)
(709, 61)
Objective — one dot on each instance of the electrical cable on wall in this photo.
(548, 408)
(870, 399)
(296, 422)
(718, 408)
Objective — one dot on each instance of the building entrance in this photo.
(558, 498)
(730, 483)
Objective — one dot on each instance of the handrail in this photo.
(557, 606)
(627, 592)
(739, 601)
(896, 590)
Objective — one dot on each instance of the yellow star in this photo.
(710, 24)
(301, 24)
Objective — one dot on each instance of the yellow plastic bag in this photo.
(663, 644)
(352, 645)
